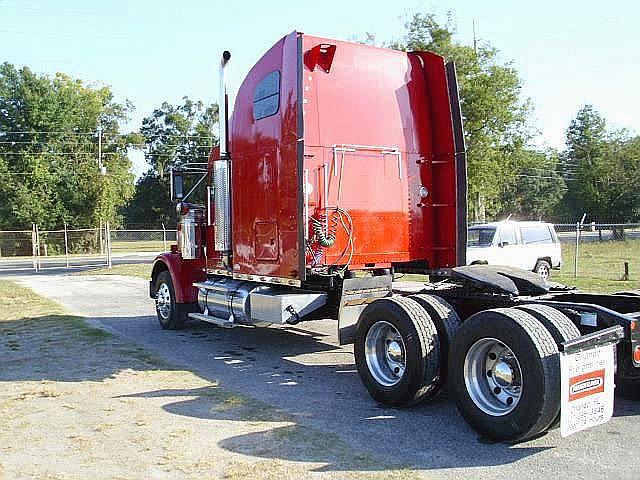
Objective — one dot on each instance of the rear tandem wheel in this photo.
(397, 351)
(504, 373)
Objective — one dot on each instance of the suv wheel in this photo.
(543, 268)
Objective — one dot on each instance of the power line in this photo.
(50, 132)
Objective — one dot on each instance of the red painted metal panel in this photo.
(374, 138)
(183, 274)
(264, 166)
(376, 127)
(443, 164)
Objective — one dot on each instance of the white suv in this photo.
(527, 245)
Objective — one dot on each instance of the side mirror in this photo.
(176, 184)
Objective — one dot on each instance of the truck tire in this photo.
(170, 315)
(504, 373)
(628, 388)
(558, 324)
(397, 351)
(447, 323)
(543, 268)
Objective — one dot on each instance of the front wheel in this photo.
(504, 373)
(169, 315)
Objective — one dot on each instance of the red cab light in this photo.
(636, 354)
(633, 325)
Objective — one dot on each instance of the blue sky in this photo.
(567, 52)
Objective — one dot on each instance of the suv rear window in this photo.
(480, 237)
(536, 234)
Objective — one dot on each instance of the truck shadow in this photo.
(306, 387)
(300, 386)
(308, 392)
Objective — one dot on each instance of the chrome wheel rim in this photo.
(163, 301)
(385, 353)
(493, 377)
(543, 271)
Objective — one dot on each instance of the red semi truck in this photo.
(342, 165)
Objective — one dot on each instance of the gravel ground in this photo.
(302, 373)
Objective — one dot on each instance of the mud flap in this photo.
(357, 293)
(587, 368)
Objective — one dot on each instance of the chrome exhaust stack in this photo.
(221, 173)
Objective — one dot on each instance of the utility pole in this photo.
(102, 168)
(475, 40)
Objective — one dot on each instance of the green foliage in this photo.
(48, 160)
(534, 188)
(174, 135)
(602, 169)
(151, 204)
(495, 114)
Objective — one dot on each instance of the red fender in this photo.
(183, 274)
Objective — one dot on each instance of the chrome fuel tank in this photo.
(226, 298)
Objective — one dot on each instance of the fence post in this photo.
(575, 261)
(108, 235)
(626, 271)
(101, 239)
(34, 246)
(164, 238)
(66, 244)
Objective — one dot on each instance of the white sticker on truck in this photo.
(587, 388)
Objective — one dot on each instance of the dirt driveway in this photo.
(302, 410)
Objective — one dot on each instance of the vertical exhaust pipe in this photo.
(222, 106)
(221, 174)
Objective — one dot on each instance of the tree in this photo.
(602, 169)
(495, 114)
(535, 187)
(48, 151)
(173, 135)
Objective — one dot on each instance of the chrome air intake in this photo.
(222, 205)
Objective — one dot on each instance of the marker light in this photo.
(636, 355)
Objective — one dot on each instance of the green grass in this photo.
(140, 246)
(601, 266)
(23, 304)
(140, 270)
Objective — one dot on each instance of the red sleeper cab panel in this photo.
(367, 128)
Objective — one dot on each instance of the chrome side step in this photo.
(215, 320)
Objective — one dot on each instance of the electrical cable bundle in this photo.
(325, 228)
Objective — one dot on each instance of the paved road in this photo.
(303, 371)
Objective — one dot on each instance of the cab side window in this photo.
(266, 98)
(508, 236)
(536, 234)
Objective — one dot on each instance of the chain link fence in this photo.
(71, 248)
(605, 255)
(154, 241)
(593, 252)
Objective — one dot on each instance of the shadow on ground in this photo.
(292, 377)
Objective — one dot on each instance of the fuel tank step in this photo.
(220, 322)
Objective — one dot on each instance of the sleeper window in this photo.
(266, 98)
